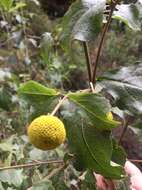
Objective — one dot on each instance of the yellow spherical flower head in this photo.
(46, 132)
(110, 116)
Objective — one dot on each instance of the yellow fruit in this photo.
(46, 132)
(110, 116)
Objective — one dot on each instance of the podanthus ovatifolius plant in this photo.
(87, 118)
(84, 118)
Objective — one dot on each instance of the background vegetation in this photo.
(32, 48)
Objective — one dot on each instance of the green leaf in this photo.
(97, 109)
(130, 14)
(1, 187)
(39, 97)
(59, 182)
(125, 86)
(138, 124)
(17, 6)
(89, 181)
(5, 99)
(12, 177)
(38, 154)
(83, 21)
(44, 185)
(6, 4)
(46, 50)
(118, 154)
(92, 148)
(6, 145)
(8, 160)
(8, 149)
(34, 88)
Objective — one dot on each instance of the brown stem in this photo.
(55, 171)
(88, 61)
(137, 161)
(105, 29)
(59, 105)
(125, 126)
(50, 175)
(37, 163)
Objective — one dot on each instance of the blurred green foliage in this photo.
(31, 48)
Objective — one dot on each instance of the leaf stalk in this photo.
(105, 29)
(35, 163)
(88, 61)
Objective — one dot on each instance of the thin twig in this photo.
(125, 126)
(106, 27)
(55, 171)
(137, 161)
(92, 87)
(33, 37)
(25, 36)
(6, 41)
(4, 16)
(85, 90)
(31, 164)
(51, 174)
(88, 61)
(59, 105)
